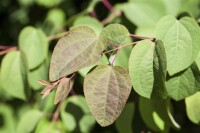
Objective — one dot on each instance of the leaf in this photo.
(47, 90)
(34, 44)
(8, 119)
(160, 71)
(181, 41)
(192, 107)
(124, 122)
(76, 116)
(106, 91)
(84, 71)
(40, 73)
(48, 3)
(115, 33)
(14, 75)
(183, 84)
(90, 22)
(138, 12)
(63, 90)
(141, 68)
(28, 121)
(157, 114)
(78, 49)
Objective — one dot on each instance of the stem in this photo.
(141, 37)
(115, 57)
(109, 42)
(57, 36)
(120, 47)
(8, 50)
(93, 13)
(107, 4)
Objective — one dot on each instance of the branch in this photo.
(107, 4)
(7, 50)
(141, 37)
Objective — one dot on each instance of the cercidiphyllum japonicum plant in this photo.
(172, 53)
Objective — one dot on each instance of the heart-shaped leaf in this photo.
(78, 49)
(106, 91)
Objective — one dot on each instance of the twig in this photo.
(107, 4)
(141, 37)
(57, 36)
(93, 14)
(8, 50)
(120, 47)
(115, 57)
(109, 42)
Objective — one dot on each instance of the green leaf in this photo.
(141, 68)
(181, 41)
(37, 74)
(157, 114)
(62, 90)
(90, 22)
(7, 118)
(193, 107)
(57, 17)
(14, 75)
(138, 12)
(160, 71)
(197, 61)
(34, 44)
(184, 84)
(76, 116)
(48, 3)
(124, 122)
(78, 49)
(106, 91)
(28, 121)
(115, 33)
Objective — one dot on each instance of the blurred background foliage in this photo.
(21, 108)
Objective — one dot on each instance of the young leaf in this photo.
(34, 44)
(181, 41)
(43, 82)
(193, 107)
(141, 68)
(183, 84)
(115, 33)
(62, 90)
(14, 75)
(160, 71)
(106, 91)
(78, 49)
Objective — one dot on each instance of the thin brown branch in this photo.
(8, 50)
(141, 37)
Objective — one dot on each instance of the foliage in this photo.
(110, 67)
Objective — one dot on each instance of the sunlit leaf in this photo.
(33, 43)
(106, 90)
(141, 68)
(193, 107)
(115, 33)
(14, 75)
(78, 49)
(181, 41)
(90, 22)
(184, 84)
